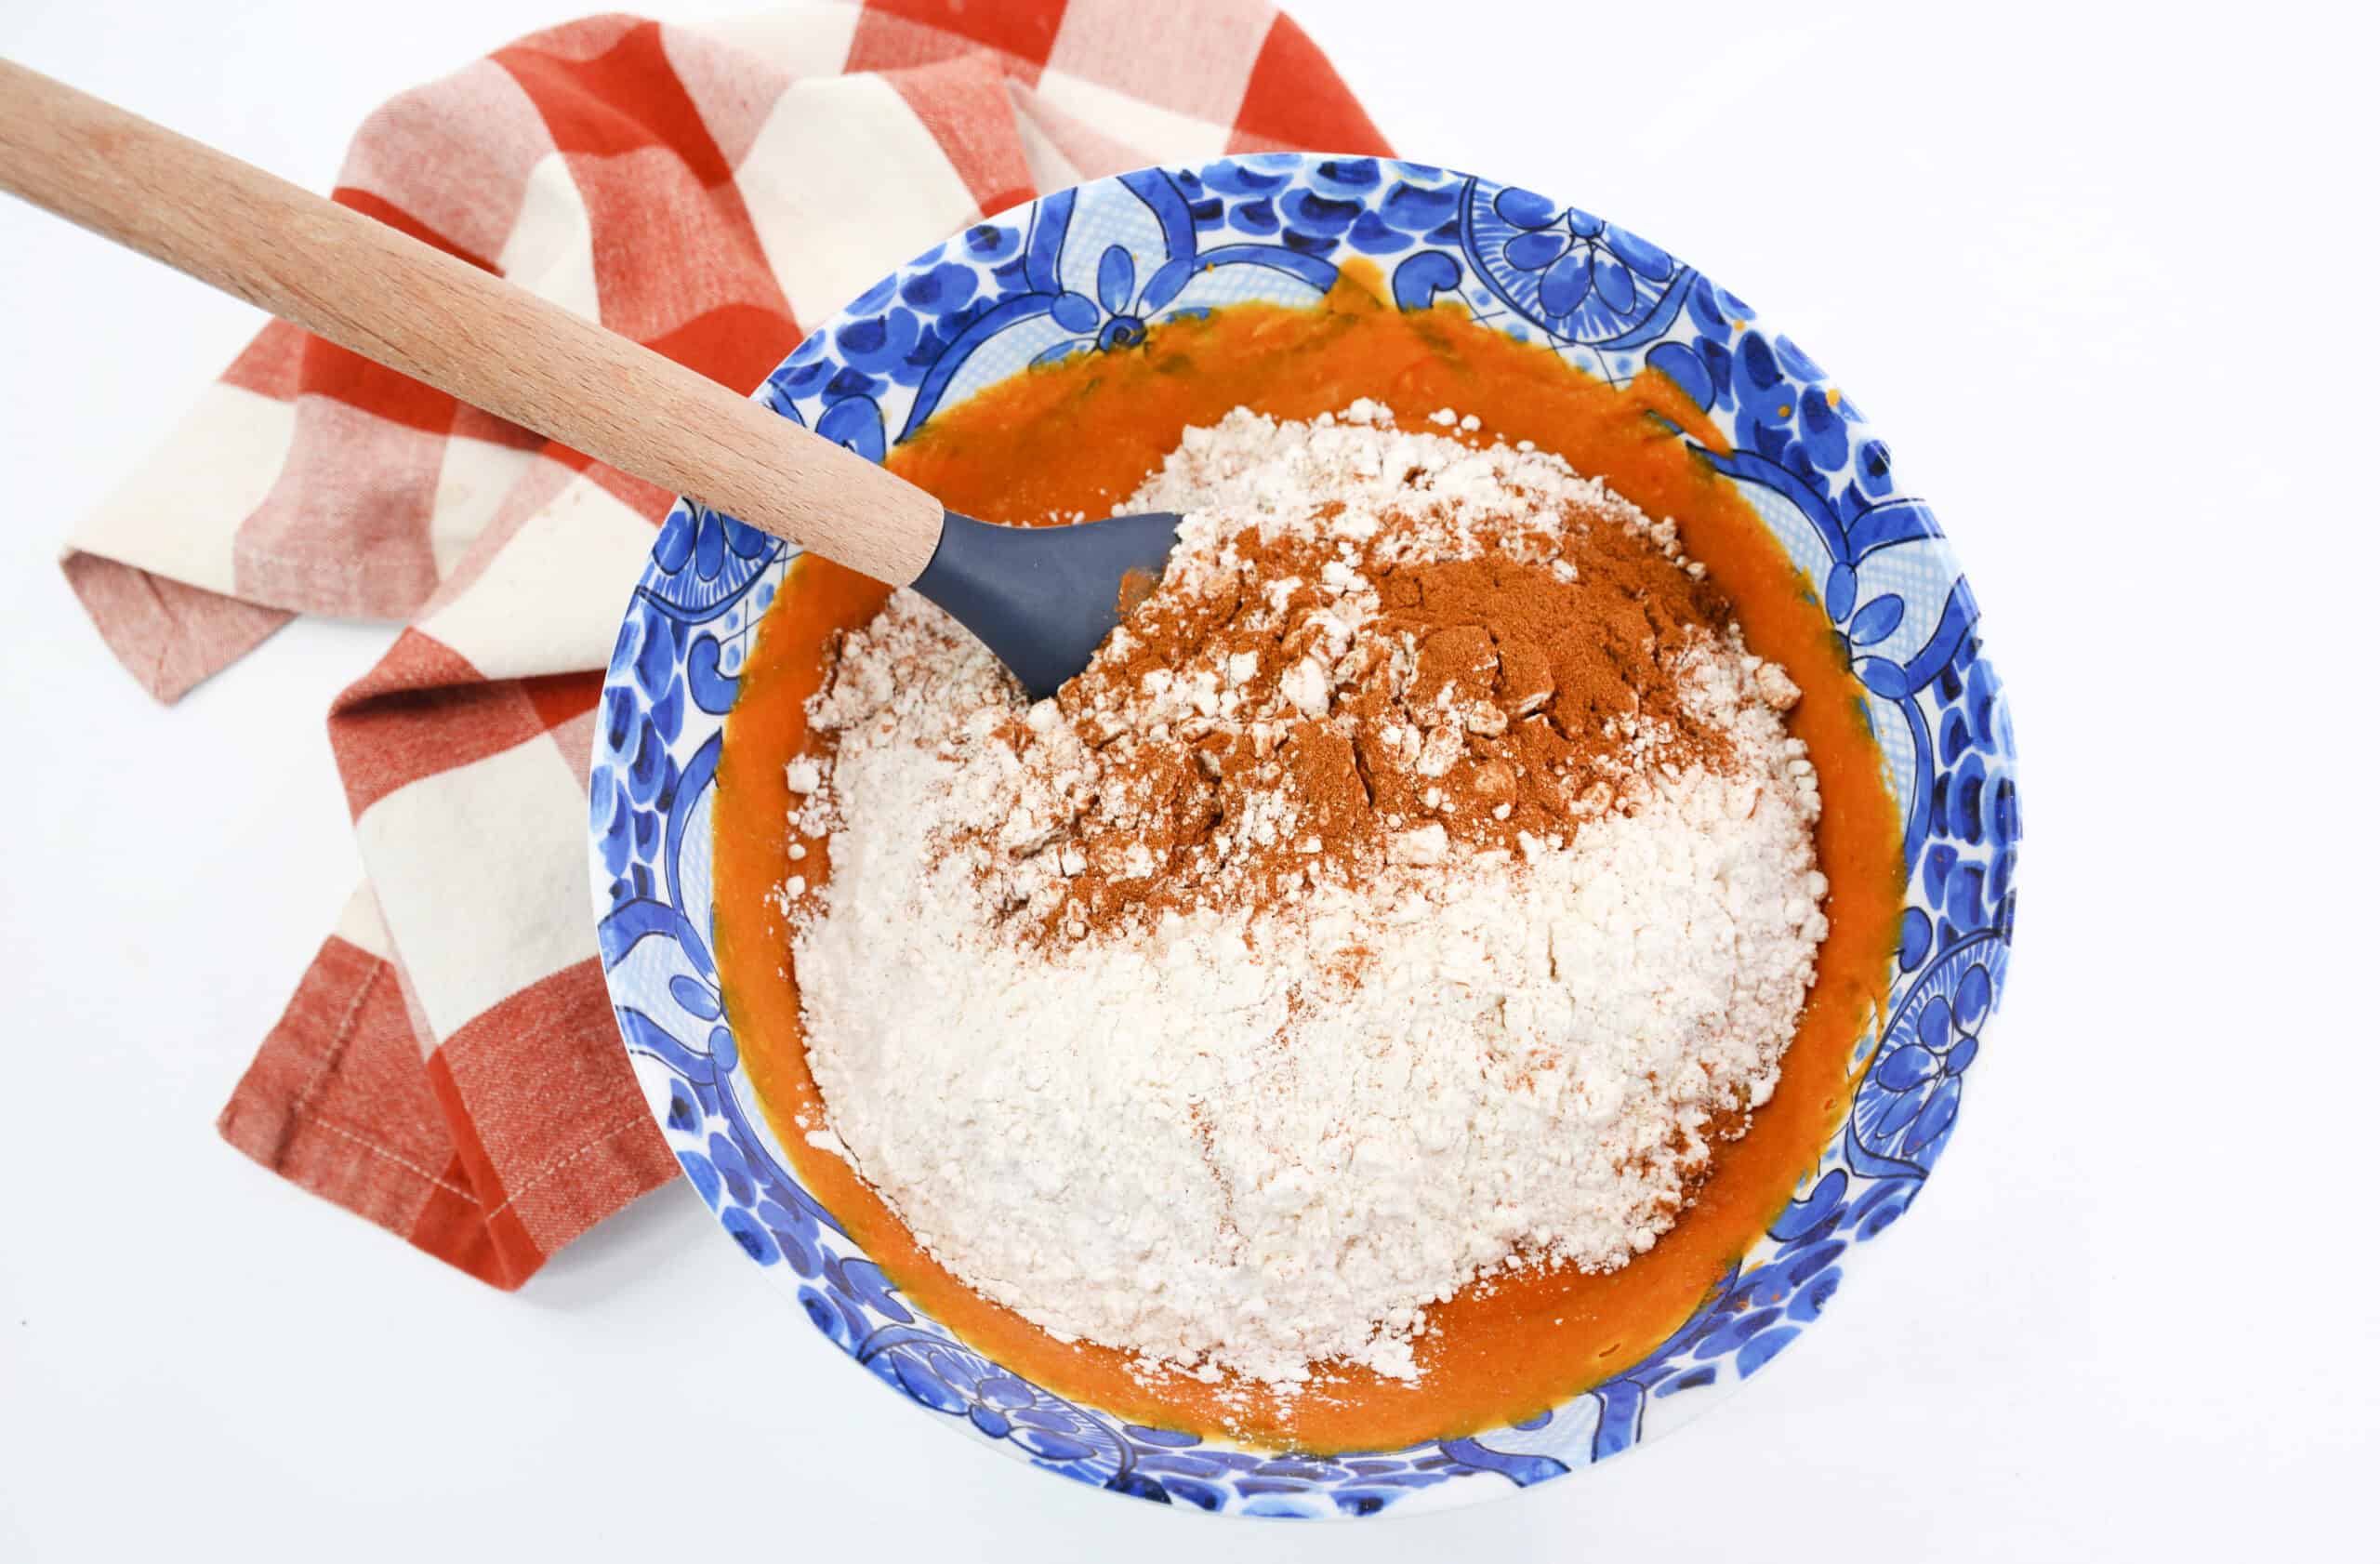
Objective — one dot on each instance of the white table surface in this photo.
(2137, 1310)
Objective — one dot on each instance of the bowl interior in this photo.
(1090, 270)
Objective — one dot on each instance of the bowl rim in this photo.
(1611, 304)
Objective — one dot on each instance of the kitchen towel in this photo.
(449, 1067)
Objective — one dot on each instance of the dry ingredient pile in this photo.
(1415, 887)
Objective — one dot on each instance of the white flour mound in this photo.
(1219, 1145)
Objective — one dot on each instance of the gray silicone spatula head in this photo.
(1044, 598)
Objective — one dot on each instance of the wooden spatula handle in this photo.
(394, 300)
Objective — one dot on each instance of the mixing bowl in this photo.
(1090, 270)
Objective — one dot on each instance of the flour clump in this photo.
(1418, 884)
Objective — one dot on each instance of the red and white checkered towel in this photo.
(449, 1067)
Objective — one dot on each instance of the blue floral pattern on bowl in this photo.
(1089, 271)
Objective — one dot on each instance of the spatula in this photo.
(1041, 597)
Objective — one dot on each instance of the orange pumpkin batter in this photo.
(1080, 436)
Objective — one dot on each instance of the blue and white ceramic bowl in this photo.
(1090, 270)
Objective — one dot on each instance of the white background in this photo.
(2105, 281)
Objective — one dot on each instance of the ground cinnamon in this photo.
(1314, 705)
